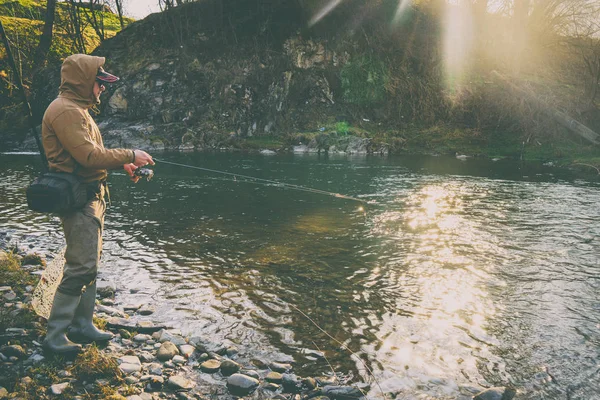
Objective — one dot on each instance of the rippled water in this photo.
(465, 274)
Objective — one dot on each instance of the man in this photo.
(73, 144)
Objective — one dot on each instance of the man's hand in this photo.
(130, 168)
(142, 158)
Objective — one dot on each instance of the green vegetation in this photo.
(364, 81)
(23, 21)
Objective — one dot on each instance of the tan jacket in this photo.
(70, 136)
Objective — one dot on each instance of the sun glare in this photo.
(457, 42)
(403, 5)
(324, 11)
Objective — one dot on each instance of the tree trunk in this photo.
(119, 4)
(41, 52)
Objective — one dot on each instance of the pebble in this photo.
(279, 367)
(132, 307)
(155, 369)
(251, 373)
(187, 350)
(210, 366)
(3, 393)
(179, 382)
(125, 334)
(231, 351)
(229, 367)
(141, 337)
(241, 385)
(18, 331)
(274, 377)
(58, 388)
(167, 336)
(309, 383)
(131, 380)
(26, 380)
(13, 350)
(146, 356)
(272, 386)
(167, 351)
(130, 364)
(9, 296)
(146, 310)
(64, 374)
(178, 360)
(37, 358)
(342, 392)
(5, 289)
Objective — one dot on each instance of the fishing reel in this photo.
(144, 173)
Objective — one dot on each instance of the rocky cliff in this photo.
(190, 80)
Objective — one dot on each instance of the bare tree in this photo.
(75, 27)
(95, 17)
(119, 6)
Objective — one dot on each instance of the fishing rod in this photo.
(268, 181)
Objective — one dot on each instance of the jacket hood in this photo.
(77, 77)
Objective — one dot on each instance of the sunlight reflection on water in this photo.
(449, 282)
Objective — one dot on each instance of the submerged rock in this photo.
(496, 393)
(241, 385)
(342, 392)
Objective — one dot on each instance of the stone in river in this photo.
(179, 382)
(241, 385)
(274, 377)
(210, 366)
(309, 383)
(496, 393)
(279, 367)
(342, 392)
(166, 336)
(167, 351)
(132, 307)
(229, 367)
(272, 386)
(146, 310)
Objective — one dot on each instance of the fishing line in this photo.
(250, 179)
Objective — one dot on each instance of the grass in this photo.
(12, 274)
(92, 364)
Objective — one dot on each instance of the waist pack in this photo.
(56, 192)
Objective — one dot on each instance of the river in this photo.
(462, 274)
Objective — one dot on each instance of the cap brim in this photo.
(106, 77)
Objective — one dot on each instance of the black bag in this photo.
(56, 192)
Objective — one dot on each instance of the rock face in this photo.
(216, 91)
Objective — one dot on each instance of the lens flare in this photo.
(457, 42)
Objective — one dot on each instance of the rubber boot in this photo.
(61, 315)
(83, 328)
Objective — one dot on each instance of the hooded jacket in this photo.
(70, 137)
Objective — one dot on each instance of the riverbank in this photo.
(145, 361)
(343, 139)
